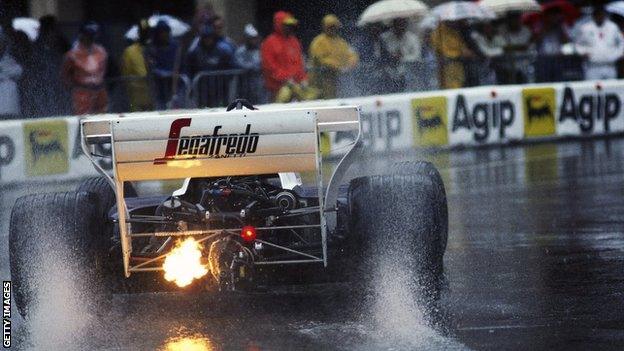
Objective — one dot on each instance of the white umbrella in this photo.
(386, 10)
(616, 7)
(500, 7)
(461, 10)
(177, 26)
(28, 25)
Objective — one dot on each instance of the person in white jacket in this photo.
(404, 49)
(602, 43)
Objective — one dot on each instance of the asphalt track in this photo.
(535, 261)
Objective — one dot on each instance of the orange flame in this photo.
(183, 264)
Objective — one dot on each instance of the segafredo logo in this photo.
(213, 145)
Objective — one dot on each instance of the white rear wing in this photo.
(240, 142)
(156, 146)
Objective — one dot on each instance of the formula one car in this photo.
(243, 219)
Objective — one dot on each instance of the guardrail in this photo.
(136, 93)
(218, 88)
(424, 75)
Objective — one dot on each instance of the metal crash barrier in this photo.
(219, 88)
(135, 93)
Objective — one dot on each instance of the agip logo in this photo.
(483, 120)
(592, 111)
(430, 120)
(46, 147)
(539, 106)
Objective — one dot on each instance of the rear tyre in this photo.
(427, 169)
(109, 248)
(397, 226)
(101, 187)
(54, 242)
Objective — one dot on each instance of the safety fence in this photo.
(218, 88)
(49, 148)
(205, 89)
(429, 74)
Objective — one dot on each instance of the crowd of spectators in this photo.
(512, 50)
(52, 76)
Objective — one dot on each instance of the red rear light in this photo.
(248, 233)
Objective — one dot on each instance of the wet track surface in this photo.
(535, 260)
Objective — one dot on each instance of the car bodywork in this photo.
(209, 145)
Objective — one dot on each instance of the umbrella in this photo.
(177, 26)
(385, 10)
(616, 8)
(28, 25)
(461, 10)
(501, 7)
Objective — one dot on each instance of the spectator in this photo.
(452, 51)
(218, 24)
(517, 42)
(374, 57)
(163, 55)
(83, 70)
(484, 38)
(514, 36)
(404, 49)
(281, 53)
(48, 52)
(134, 67)
(21, 50)
(204, 12)
(552, 35)
(601, 41)
(10, 72)
(211, 54)
(429, 71)
(248, 57)
(330, 55)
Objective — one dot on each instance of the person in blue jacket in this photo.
(211, 55)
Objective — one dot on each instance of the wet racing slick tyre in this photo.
(106, 200)
(428, 169)
(54, 241)
(112, 266)
(396, 225)
(101, 187)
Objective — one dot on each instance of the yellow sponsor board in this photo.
(430, 118)
(539, 107)
(46, 147)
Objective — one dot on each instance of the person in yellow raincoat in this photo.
(133, 65)
(331, 55)
(450, 48)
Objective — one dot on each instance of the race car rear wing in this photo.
(162, 147)
(212, 144)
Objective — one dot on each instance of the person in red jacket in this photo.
(83, 71)
(282, 55)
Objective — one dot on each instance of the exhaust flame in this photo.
(183, 264)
